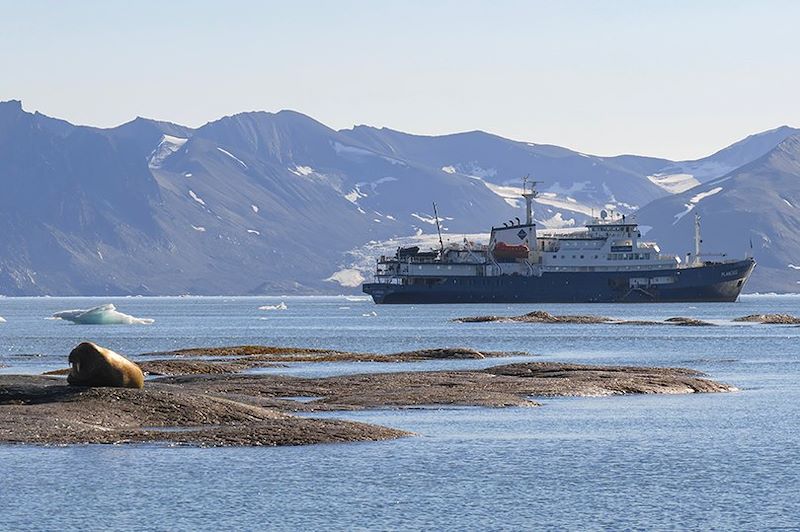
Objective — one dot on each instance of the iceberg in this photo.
(102, 315)
(280, 306)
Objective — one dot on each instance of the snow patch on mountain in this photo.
(354, 195)
(557, 221)
(674, 183)
(699, 171)
(697, 198)
(430, 219)
(510, 195)
(373, 185)
(347, 277)
(166, 147)
(392, 160)
(302, 171)
(340, 149)
(551, 199)
(232, 156)
(197, 198)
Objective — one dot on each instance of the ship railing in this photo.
(388, 279)
(577, 235)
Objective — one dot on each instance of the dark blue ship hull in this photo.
(712, 282)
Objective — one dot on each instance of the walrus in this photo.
(92, 365)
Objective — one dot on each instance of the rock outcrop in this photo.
(779, 319)
(219, 408)
(540, 316)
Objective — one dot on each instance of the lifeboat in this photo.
(510, 251)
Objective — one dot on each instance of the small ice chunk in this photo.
(2, 319)
(279, 306)
(253, 232)
(199, 228)
(102, 315)
(254, 207)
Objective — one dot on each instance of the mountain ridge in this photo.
(260, 202)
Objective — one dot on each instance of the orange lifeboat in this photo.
(510, 251)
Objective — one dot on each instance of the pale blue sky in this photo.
(673, 79)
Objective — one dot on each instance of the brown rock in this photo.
(689, 322)
(45, 410)
(778, 319)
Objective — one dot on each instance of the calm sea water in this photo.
(725, 461)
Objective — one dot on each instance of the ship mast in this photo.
(697, 240)
(438, 229)
(529, 195)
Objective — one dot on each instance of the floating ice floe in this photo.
(102, 315)
(370, 314)
(279, 306)
(2, 319)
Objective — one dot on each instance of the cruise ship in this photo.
(606, 261)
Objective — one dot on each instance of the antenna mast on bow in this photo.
(438, 228)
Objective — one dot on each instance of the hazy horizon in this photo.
(678, 81)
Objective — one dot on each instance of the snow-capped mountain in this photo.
(573, 184)
(266, 202)
(758, 203)
(681, 176)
